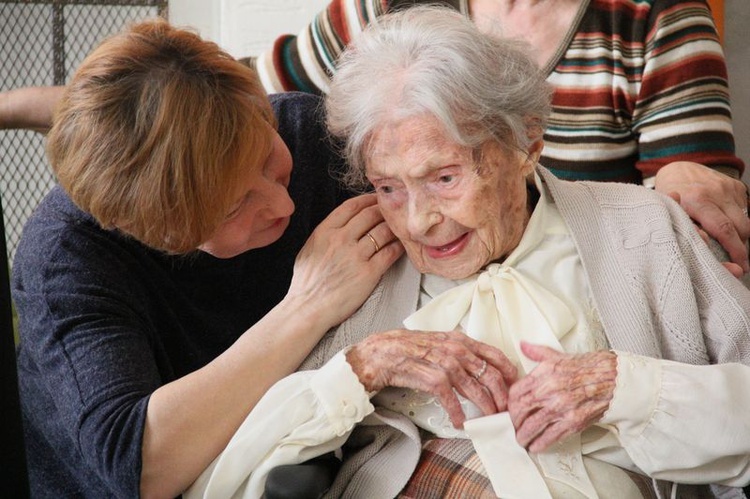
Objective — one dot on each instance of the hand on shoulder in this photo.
(717, 204)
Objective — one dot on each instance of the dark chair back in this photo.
(14, 480)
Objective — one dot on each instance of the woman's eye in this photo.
(235, 209)
(385, 189)
(447, 179)
(232, 213)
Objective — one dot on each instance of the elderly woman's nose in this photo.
(422, 214)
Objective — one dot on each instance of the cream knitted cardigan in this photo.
(659, 290)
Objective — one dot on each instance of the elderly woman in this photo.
(615, 348)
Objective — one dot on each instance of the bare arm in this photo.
(29, 108)
(190, 420)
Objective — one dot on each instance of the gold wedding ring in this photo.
(374, 242)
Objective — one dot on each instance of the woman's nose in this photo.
(422, 215)
(279, 202)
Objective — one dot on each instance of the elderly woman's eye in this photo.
(446, 179)
(385, 189)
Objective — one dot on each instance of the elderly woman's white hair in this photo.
(430, 60)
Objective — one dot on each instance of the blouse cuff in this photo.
(341, 396)
(636, 395)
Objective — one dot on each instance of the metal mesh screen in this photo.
(42, 43)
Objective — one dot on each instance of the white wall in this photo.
(247, 27)
(244, 27)
(737, 49)
(203, 15)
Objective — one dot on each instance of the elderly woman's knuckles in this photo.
(433, 381)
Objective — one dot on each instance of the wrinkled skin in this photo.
(564, 394)
(452, 215)
(436, 363)
(448, 213)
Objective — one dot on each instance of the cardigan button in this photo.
(349, 410)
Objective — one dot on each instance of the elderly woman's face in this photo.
(452, 215)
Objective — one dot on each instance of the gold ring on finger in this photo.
(374, 242)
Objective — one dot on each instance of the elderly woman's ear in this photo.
(532, 156)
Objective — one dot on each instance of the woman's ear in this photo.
(535, 150)
(532, 156)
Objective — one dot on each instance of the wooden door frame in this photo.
(717, 9)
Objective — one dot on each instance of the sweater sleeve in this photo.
(665, 415)
(682, 112)
(305, 415)
(306, 62)
(90, 353)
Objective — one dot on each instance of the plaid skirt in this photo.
(450, 468)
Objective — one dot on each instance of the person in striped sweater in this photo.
(641, 93)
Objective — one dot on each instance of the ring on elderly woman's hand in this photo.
(374, 242)
(481, 370)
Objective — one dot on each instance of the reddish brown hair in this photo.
(153, 132)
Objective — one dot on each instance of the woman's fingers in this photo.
(716, 202)
(563, 395)
(485, 380)
(376, 239)
(359, 220)
(338, 267)
(345, 212)
(440, 363)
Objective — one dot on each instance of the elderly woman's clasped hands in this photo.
(442, 364)
(564, 394)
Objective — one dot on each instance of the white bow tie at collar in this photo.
(501, 307)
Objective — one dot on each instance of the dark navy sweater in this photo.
(104, 320)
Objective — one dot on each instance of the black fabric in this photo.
(14, 481)
(104, 320)
(308, 480)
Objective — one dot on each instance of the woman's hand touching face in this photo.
(344, 258)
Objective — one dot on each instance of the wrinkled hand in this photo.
(716, 203)
(339, 266)
(564, 394)
(436, 363)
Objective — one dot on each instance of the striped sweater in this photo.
(638, 83)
